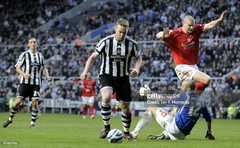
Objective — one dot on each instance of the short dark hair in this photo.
(190, 83)
(32, 39)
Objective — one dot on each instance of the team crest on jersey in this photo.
(118, 51)
(188, 45)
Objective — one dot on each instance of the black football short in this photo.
(120, 85)
(27, 90)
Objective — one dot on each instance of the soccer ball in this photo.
(115, 136)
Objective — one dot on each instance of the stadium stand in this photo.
(219, 56)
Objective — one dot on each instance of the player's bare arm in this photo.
(25, 75)
(215, 23)
(88, 65)
(163, 34)
(46, 74)
(135, 71)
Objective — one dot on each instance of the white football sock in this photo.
(144, 120)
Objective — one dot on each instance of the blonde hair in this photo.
(189, 18)
(122, 22)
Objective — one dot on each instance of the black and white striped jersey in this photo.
(116, 56)
(31, 63)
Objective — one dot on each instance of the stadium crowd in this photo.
(147, 17)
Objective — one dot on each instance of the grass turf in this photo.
(70, 131)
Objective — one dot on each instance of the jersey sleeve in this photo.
(43, 60)
(199, 28)
(137, 50)
(100, 46)
(173, 33)
(20, 60)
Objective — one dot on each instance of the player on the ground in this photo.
(30, 66)
(88, 96)
(184, 45)
(190, 107)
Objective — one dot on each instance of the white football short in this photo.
(87, 100)
(186, 71)
(169, 124)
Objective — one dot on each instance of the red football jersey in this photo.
(88, 84)
(184, 47)
(114, 96)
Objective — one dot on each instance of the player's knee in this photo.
(152, 109)
(208, 79)
(106, 99)
(34, 102)
(17, 102)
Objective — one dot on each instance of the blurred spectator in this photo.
(147, 17)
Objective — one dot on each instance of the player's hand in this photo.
(209, 135)
(133, 72)
(83, 76)
(144, 91)
(223, 15)
(21, 103)
(27, 76)
(166, 32)
(48, 79)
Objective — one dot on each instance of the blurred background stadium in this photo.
(68, 30)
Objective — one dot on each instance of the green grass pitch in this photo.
(71, 131)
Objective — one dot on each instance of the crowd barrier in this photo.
(58, 106)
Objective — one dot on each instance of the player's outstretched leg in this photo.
(143, 121)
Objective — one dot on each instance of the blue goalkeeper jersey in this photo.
(190, 107)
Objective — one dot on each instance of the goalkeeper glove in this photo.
(209, 135)
(144, 91)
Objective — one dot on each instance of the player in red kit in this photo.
(115, 105)
(184, 45)
(88, 94)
